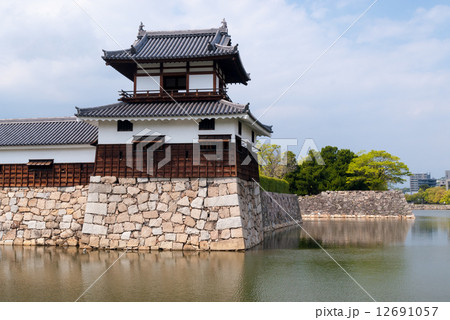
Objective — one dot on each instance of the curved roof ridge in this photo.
(234, 104)
(38, 120)
(182, 32)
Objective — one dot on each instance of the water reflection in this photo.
(359, 233)
(339, 233)
(395, 260)
(56, 274)
(431, 227)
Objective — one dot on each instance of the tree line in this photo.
(427, 195)
(332, 169)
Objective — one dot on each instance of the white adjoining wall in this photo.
(180, 131)
(60, 154)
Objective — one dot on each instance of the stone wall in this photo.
(171, 214)
(142, 213)
(355, 204)
(279, 210)
(145, 214)
(42, 216)
(430, 206)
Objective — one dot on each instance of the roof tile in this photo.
(45, 131)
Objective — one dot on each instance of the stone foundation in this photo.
(171, 214)
(144, 214)
(355, 204)
(42, 216)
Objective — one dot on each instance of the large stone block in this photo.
(119, 190)
(146, 232)
(94, 229)
(88, 218)
(125, 235)
(222, 201)
(155, 222)
(229, 223)
(133, 209)
(228, 245)
(40, 225)
(157, 231)
(108, 180)
(133, 191)
(99, 188)
(95, 179)
(97, 208)
(183, 202)
(197, 203)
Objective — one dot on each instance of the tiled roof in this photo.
(168, 109)
(183, 45)
(46, 131)
(177, 45)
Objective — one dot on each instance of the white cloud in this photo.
(380, 81)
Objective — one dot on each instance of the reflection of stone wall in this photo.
(155, 276)
(357, 232)
(279, 210)
(355, 204)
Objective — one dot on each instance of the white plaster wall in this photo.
(147, 83)
(60, 154)
(201, 81)
(247, 132)
(181, 131)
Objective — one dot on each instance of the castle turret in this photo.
(178, 110)
(186, 65)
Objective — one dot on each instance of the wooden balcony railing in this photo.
(167, 95)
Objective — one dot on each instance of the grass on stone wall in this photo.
(273, 184)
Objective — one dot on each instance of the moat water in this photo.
(391, 260)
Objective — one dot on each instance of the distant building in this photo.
(441, 182)
(421, 179)
(447, 179)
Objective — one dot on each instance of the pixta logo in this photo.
(143, 146)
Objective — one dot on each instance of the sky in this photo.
(383, 85)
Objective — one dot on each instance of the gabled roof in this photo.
(46, 131)
(182, 45)
(187, 110)
(177, 45)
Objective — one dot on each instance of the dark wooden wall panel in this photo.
(58, 175)
(111, 160)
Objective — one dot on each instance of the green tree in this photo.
(417, 198)
(274, 163)
(377, 170)
(289, 163)
(445, 198)
(434, 195)
(312, 176)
